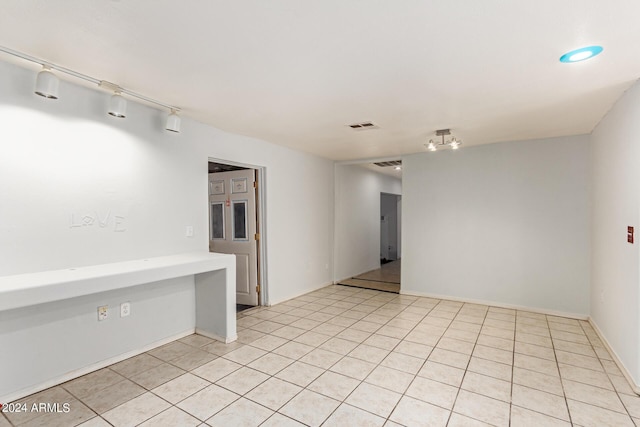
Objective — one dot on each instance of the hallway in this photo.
(385, 278)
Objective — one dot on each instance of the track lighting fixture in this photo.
(118, 106)
(47, 86)
(173, 121)
(47, 83)
(453, 142)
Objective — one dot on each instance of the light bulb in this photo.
(580, 56)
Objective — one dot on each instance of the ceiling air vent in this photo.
(363, 126)
(390, 163)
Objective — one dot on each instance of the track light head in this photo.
(118, 106)
(173, 122)
(47, 83)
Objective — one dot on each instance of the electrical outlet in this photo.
(189, 231)
(103, 312)
(125, 309)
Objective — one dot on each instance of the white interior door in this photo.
(232, 227)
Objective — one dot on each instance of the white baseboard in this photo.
(635, 387)
(497, 304)
(88, 369)
(274, 302)
(216, 336)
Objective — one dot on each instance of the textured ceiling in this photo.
(296, 72)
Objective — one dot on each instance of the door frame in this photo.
(261, 207)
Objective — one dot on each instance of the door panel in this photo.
(232, 227)
(242, 274)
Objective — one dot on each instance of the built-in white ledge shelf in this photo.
(31, 325)
(24, 290)
(215, 278)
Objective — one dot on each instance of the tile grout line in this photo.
(555, 358)
(453, 405)
(388, 418)
(513, 364)
(541, 373)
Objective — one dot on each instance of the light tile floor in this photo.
(345, 356)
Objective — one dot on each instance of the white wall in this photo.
(63, 159)
(502, 223)
(78, 188)
(615, 205)
(357, 219)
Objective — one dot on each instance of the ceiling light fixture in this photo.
(453, 142)
(118, 106)
(173, 121)
(47, 83)
(398, 168)
(47, 86)
(117, 103)
(581, 54)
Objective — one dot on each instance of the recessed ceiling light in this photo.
(581, 54)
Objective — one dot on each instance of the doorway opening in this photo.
(387, 277)
(236, 207)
